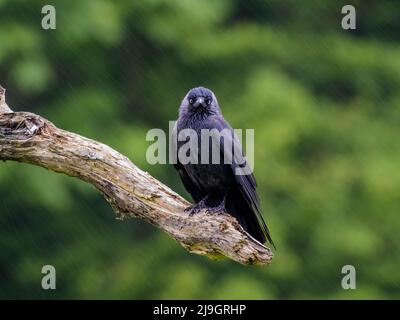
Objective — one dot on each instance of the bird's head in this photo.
(200, 100)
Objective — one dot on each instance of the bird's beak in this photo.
(200, 101)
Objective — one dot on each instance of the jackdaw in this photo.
(214, 186)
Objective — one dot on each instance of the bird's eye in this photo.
(191, 101)
(208, 101)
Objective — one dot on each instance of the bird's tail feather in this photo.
(250, 220)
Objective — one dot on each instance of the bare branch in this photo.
(3, 105)
(29, 138)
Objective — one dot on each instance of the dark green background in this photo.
(325, 105)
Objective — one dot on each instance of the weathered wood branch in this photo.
(29, 138)
(3, 105)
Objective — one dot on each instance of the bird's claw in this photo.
(195, 208)
(217, 209)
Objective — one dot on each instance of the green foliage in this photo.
(324, 103)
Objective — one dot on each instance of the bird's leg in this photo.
(219, 208)
(197, 207)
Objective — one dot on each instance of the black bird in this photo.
(216, 187)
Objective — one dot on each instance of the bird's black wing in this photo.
(190, 183)
(246, 205)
